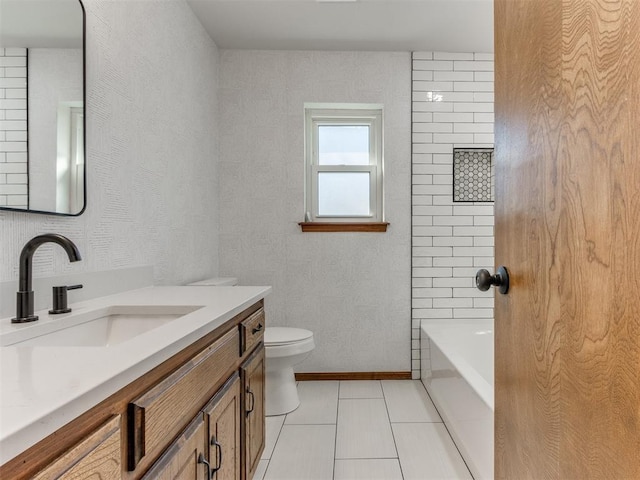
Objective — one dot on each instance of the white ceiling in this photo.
(375, 25)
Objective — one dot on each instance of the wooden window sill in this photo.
(376, 227)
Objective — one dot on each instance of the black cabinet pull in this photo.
(215, 443)
(257, 329)
(253, 401)
(206, 465)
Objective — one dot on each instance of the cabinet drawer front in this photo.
(252, 330)
(159, 415)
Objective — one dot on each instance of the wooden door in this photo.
(252, 372)
(568, 228)
(223, 418)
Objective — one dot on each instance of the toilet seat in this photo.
(282, 336)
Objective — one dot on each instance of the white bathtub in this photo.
(457, 370)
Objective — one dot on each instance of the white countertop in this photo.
(44, 388)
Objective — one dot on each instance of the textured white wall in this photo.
(351, 289)
(151, 150)
(452, 107)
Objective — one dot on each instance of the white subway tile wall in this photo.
(13, 127)
(452, 107)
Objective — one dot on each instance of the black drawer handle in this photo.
(206, 465)
(257, 329)
(214, 443)
(253, 401)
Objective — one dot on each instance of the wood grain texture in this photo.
(170, 405)
(180, 460)
(377, 227)
(223, 415)
(568, 228)
(253, 373)
(98, 456)
(528, 82)
(314, 376)
(252, 331)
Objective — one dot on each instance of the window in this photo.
(343, 164)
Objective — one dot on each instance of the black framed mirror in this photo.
(42, 106)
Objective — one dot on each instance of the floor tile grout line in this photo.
(395, 445)
(335, 440)
(432, 402)
(275, 444)
(391, 424)
(420, 421)
(368, 458)
(448, 432)
(308, 424)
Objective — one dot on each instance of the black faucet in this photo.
(24, 303)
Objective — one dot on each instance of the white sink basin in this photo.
(97, 328)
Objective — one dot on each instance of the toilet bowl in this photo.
(284, 348)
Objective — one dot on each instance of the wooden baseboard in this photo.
(303, 377)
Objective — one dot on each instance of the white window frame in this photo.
(352, 114)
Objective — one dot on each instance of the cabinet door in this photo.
(223, 418)
(252, 372)
(184, 459)
(96, 456)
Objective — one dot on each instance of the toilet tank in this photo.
(216, 282)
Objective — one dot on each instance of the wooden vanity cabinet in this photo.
(198, 415)
(234, 420)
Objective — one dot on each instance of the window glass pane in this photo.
(343, 193)
(343, 145)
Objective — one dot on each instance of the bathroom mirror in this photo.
(42, 98)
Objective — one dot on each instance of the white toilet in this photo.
(284, 348)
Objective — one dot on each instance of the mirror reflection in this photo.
(42, 149)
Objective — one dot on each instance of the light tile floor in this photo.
(361, 430)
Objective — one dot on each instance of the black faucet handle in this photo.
(60, 298)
